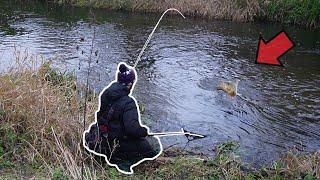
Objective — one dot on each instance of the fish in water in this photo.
(230, 87)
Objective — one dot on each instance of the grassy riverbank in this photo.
(41, 122)
(305, 13)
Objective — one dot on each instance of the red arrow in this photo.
(269, 52)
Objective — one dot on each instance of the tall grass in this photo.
(294, 11)
(300, 12)
(239, 10)
(40, 122)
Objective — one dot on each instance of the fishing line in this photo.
(87, 83)
(151, 34)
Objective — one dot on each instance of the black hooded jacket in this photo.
(119, 113)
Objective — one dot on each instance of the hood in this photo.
(116, 91)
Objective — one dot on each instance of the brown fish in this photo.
(230, 87)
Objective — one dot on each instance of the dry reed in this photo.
(40, 120)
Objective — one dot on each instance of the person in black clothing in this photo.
(118, 130)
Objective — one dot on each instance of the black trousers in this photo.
(123, 152)
(127, 149)
(126, 152)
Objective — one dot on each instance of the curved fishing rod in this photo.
(162, 134)
(151, 34)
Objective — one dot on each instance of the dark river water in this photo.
(179, 72)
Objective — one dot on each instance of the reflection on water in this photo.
(279, 108)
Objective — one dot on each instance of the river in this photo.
(180, 70)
